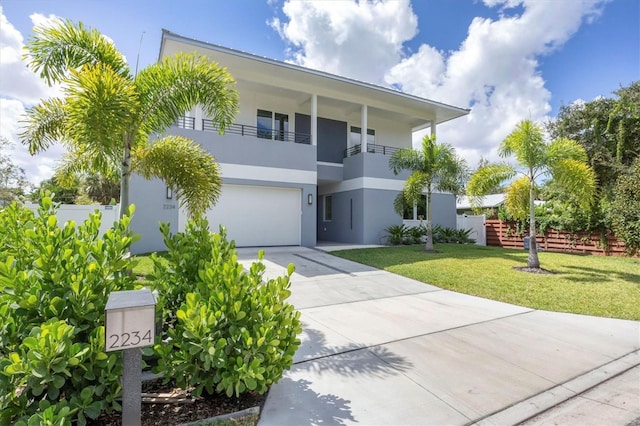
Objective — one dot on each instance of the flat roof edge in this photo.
(167, 34)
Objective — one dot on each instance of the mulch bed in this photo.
(204, 407)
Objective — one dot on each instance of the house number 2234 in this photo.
(131, 339)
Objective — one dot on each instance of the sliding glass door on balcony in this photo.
(273, 125)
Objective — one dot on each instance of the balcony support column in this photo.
(314, 119)
(433, 128)
(363, 130)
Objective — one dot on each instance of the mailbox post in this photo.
(129, 326)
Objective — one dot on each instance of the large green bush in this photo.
(233, 331)
(625, 208)
(55, 281)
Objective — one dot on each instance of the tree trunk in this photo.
(429, 243)
(126, 175)
(533, 261)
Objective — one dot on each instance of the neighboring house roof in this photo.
(284, 76)
(488, 201)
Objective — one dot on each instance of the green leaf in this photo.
(93, 410)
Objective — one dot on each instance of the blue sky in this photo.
(505, 59)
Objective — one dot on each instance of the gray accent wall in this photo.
(443, 210)
(372, 212)
(332, 137)
(370, 165)
(252, 151)
(359, 216)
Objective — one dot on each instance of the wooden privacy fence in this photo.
(505, 234)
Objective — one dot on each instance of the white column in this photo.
(314, 119)
(198, 117)
(363, 131)
(433, 128)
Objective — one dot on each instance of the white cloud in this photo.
(19, 89)
(495, 71)
(361, 40)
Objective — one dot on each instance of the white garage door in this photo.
(258, 215)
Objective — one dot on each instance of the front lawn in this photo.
(590, 285)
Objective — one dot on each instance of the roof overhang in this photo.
(250, 69)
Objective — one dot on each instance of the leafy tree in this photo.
(107, 114)
(100, 188)
(609, 130)
(435, 167)
(625, 208)
(563, 159)
(13, 182)
(59, 194)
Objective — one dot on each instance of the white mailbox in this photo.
(129, 320)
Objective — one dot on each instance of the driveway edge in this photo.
(535, 405)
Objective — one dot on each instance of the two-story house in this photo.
(305, 161)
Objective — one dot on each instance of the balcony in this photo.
(371, 149)
(246, 130)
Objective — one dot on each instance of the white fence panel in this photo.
(80, 213)
(476, 225)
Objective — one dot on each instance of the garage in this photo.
(257, 215)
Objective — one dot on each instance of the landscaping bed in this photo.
(193, 409)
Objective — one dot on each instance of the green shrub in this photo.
(415, 234)
(55, 281)
(396, 234)
(234, 332)
(451, 235)
(624, 212)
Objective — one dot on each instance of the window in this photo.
(328, 208)
(264, 124)
(273, 125)
(420, 210)
(354, 136)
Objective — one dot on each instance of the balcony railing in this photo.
(186, 122)
(253, 131)
(372, 149)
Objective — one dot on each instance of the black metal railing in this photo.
(372, 149)
(253, 131)
(186, 122)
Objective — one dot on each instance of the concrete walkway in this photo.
(380, 349)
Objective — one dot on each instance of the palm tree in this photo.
(107, 114)
(564, 160)
(435, 167)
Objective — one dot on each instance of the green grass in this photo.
(144, 265)
(590, 285)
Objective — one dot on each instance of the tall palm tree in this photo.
(563, 159)
(435, 167)
(107, 114)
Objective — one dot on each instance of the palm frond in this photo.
(68, 170)
(488, 177)
(415, 185)
(191, 172)
(577, 178)
(526, 142)
(565, 149)
(53, 51)
(177, 84)
(405, 159)
(101, 106)
(43, 125)
(517, 199)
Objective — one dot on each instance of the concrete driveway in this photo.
(378, 348)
